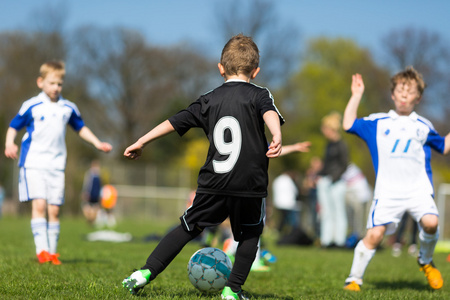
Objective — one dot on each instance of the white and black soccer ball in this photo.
(209, 269)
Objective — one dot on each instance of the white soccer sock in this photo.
(427, 244)
(53, 236)
(361, 260)
(39, 230)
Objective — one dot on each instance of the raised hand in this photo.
(357, 85)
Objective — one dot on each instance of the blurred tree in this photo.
(135, 85)
(322, 85)
(278, 43)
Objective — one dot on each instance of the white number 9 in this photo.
(232, 148)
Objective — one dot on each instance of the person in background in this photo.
(398, 243)
(309, 185)
(331, 187)
(358, 194)
(286, 201)
(90, 195)
(2, 198)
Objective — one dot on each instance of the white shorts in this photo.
(41, 184)
(389, 212)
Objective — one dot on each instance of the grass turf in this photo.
(94, 270)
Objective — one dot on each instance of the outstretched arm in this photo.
(134, 151)
(10, 147)
(272, 121)
(86, 134)
(351, 110)
(297, 147)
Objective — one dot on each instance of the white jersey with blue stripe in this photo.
(44, 145)
(401, 150)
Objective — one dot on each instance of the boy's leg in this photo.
(428, 236)
(245, 255)
(326, 211)
(364, 251)
(53, 228)
(341, 224)
(39, 225)
(168, 248)
(247, 223)
(164, 253)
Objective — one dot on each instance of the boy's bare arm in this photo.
(272, 121)
(351, 110)
(297, 147)
(86, 134)
(134, 151)
(10, 147)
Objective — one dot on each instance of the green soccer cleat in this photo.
(228, 294)
(136, 281)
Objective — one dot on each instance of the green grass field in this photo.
(94, 270)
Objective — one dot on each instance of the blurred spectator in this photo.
(90, 195)
(310, 190)
(331, 188)
(358, 194)
(2, 198)
(286, 201)
(398, 244)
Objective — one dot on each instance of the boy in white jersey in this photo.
(400, 144)
(42, 157)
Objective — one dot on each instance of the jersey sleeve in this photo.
(435, 141)
(75, 120)
(20, 121)
(23, 117)
(365, 128)
(267, 103)
(187, 118)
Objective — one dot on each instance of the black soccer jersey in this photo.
(232, 119)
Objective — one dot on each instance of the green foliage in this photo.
(94, 270)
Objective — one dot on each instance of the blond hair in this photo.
(240, 55)
(333, 121)
(57, 66)
(407, 75)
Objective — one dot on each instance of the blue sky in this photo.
(168, 22)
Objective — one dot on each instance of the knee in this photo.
(429, 223)
(374, 237)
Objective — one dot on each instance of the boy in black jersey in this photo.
(233, 181)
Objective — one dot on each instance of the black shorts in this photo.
(246, 214)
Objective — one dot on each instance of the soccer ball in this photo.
(209, 269)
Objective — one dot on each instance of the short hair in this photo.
(332, 121)
(52, 66)
(407, 75)
(240, 55)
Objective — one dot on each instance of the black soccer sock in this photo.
(245, 255)
(168, 248)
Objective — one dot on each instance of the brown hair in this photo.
(52, 66)
(240, 55)
(407, 75)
